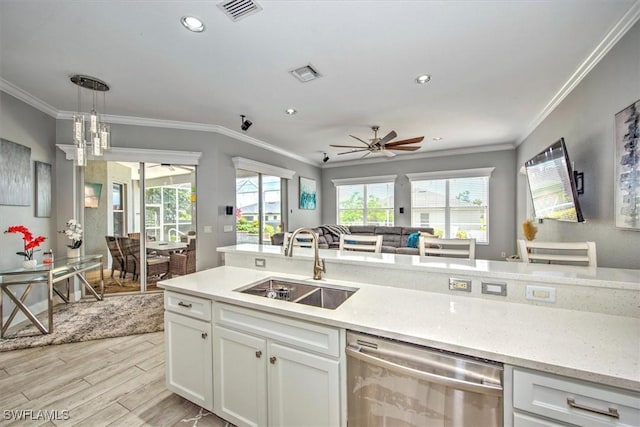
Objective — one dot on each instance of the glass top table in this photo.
(47, 274)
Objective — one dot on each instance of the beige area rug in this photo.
(115, 316)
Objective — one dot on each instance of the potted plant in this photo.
(74, 233)
(30, 243)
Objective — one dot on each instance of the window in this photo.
(454, 203)
(365, 201)
(118, 208)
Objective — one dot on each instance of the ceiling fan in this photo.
(383, 145)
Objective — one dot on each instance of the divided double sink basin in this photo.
(323, 296)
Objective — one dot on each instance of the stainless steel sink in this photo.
(324, 296)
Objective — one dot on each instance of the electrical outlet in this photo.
(260, 262)
(541, 293)
(492, 288)
(459, 284)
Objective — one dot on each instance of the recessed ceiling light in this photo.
(290, 111)
(437, 138)
(192, 23)
(423, 79)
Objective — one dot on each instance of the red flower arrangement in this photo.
(29, 242)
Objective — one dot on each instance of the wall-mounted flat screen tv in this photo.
(552, 184)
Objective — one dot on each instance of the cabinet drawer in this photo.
(574, 401)
(522, 420)
(196, 307)
(304, 335)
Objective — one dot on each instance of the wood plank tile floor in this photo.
(110, 382)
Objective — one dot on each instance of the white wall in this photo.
(502, 191)
(585, 118)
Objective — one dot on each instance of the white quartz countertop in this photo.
(618, 278)
(591, 346)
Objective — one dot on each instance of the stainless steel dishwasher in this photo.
(397, 384)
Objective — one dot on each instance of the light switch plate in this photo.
(208, 228)
(492, 288)
(228, 228)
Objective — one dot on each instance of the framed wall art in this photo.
(43, 189)
(308, 195)
(627, 167)
(15, 174)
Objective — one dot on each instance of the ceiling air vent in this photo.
(238, 9)
(306, 73)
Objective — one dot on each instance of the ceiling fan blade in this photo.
(388, 138)
(388, 153)
(365, 155)
(361, 140)
(402, 148)
(406, 141)
(354, 151)
(347, 146)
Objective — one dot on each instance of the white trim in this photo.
(140, 155)
(364, 180)
(420, 155)
(263, 168)
(448, 174)
(627, 21)
(27, 98)
(200, 127)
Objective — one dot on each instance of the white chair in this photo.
(575, 253)
(303, 240)
(460, 248)
(354, 242)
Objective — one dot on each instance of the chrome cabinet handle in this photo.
(181, 304)
(272, 359)
(611, 412)
(258, 354)
(204, 335)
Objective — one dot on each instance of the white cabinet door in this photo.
(240, 377)
(188, 362)
(304, 389)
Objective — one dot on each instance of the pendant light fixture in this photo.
(90, 134)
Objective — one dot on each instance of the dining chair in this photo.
(354, 242)
(459, 248)
(181, 263)
(572, 253)
(303, 240)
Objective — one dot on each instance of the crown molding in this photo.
(428, 154)
(117, 154)
(27, 98)
(200, 127)
(625, 23)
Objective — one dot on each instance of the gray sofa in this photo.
(394, 239)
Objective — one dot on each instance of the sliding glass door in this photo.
(135, 211)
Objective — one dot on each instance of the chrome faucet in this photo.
(318, 264)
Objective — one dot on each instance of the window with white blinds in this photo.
(454, 203)
(365, 201)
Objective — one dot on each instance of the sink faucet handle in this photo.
(324, 269)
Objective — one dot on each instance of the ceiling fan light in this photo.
(422, 79)
(437, 138)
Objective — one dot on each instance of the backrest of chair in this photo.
(129, 247)
(114, 249)
(302, 240)
(462, 248)
(575, 253)
(353, 242)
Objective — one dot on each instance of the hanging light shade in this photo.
(90, 133)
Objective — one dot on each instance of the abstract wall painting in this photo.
(43, 189)
(15, 174)
(308, 194)
(627, 167)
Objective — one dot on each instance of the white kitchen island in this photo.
(407, 298)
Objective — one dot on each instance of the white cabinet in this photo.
(188, 348)
(541, 399)
(275, 371)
